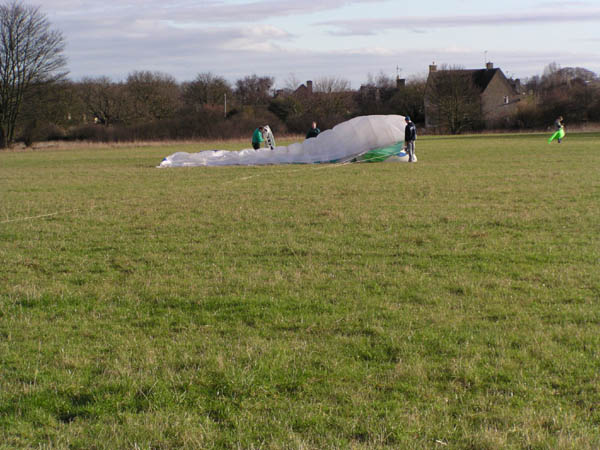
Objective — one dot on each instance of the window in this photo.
(506, 99)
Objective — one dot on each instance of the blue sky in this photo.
(348, 39)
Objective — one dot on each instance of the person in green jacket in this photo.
(257, 138)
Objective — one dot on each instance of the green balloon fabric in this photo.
(381, 154)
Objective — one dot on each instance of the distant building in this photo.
(374, 95)
(498, 95)
(305, 89)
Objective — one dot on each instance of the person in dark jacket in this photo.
(410, 136)
(313, 132)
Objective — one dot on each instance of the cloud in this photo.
(558, 4)
(235, 39)
(234, 53)
(194, 12)
(373, 26)
(258, 39)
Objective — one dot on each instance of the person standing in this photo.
(257, 138)
(559, 134)
(313, 132)
(410, 136)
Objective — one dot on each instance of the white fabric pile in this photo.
(345, 142)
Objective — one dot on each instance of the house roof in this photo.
(480, 77)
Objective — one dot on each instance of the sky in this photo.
(294, 41)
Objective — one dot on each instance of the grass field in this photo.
(452, 303)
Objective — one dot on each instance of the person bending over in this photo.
(257, 138)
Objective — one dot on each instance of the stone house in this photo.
(498, 95)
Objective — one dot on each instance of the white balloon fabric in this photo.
(353, 140)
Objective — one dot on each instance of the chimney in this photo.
(489, 65)
(400, 82)
(432, 67)
(309, 86)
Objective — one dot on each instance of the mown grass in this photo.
(449, 303)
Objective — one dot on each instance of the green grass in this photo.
(452, 303)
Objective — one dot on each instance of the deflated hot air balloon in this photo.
(362, 139)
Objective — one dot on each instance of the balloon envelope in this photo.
(364, 138)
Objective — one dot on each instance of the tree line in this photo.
(150, 105)
(38, 102)
(573, 92)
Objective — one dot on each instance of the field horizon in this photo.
(448, 303)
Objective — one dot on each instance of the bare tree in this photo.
(107, 102)
(30, 53)
(48, 110)
(331, 84)
(555, 76)
(408, 99)
(454, 100)
(153, 95)
(381, 80)
(291, 82)
(253, 90)
(206, 89)
(550, 70)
